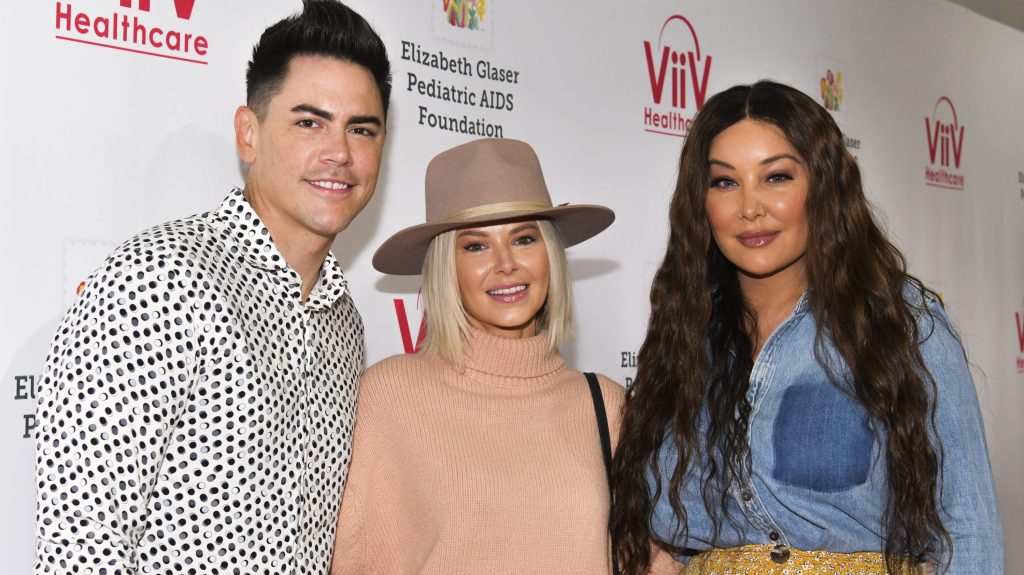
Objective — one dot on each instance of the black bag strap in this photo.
(606, 440)
(602, 424)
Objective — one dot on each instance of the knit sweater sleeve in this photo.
(350, 545)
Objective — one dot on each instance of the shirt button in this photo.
(780, 554)
(747, 496)
(773, 536)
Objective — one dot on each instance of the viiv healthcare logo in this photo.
(405, 329)
(1018, 316)
(945, 146)
(467, 22)
(678, 73)
(135, 29)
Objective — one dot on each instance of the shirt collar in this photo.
(330, 287)
(802, 304)
(257, 248)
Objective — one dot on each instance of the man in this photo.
(198, 399)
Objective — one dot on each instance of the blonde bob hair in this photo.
(448, 323)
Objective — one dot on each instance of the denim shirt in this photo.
(816, 477)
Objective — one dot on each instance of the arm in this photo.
(663, 563)
(115, 380)
(967, 496)
(350, 538)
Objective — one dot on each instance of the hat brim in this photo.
(403, 253)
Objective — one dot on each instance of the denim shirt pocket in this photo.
(821, 439)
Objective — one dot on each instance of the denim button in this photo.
(773, 536)
(747, 496)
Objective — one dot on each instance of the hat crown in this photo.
(482, 173)
(482, 183)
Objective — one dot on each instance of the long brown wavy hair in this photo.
(697, 354)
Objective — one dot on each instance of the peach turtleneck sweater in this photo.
(497, 469)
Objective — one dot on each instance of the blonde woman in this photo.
(482, 452)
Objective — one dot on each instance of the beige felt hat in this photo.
(498, 180)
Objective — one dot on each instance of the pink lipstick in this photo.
(757, 239)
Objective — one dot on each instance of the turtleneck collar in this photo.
(511, 362)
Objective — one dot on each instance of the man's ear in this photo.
(247, 131)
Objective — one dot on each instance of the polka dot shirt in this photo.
(195, 416)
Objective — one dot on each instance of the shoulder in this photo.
(399, 364)
(166, 248)
(922, 301)
(611, 390)
(191, 233)
(143, 291)
(151, 262)
(613, 394)
(614, 397)
(941, 348)
(934, 327)
(385, 376)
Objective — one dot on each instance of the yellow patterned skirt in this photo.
(779, 560)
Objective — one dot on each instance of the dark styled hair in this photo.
(697, 354)
(323, 28)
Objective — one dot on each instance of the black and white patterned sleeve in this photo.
(116, 380)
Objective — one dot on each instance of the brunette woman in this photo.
(802, 404)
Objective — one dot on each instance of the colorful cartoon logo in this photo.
(832, 90)
(945, 136)
(464, 22)
(465, 13)
(678, 72)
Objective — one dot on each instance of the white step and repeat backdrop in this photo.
(116, 115)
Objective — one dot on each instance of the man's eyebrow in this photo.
(313, 110)
(364, 120)
(328, 116)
